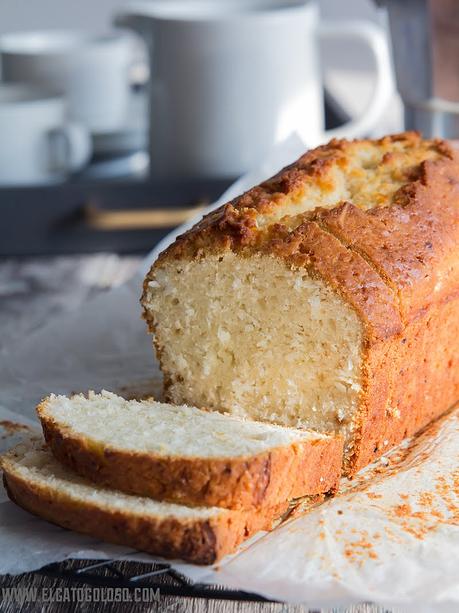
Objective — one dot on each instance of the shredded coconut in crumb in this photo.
(167, 429)
(297, 360)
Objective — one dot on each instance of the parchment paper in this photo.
(391, 536)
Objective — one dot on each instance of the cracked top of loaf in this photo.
(391, 204)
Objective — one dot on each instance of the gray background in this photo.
(96, 15)
(347, 65)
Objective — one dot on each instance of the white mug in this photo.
(231, 79)
(38, 144)
(91, 70)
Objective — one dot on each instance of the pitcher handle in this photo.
(383, 89)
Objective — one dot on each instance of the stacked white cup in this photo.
(59, 88)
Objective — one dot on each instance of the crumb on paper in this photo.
(391, 535)
(360, 550)
(12, 427)
(374, 495)
(426, 499)
(402, 510)
(430, 510)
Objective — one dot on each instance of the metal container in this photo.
(425, 39)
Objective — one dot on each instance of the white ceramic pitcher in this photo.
(230, 79)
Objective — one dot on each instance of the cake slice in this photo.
(37, 482)
(187, 455)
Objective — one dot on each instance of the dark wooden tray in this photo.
(87, 217)
(124, 216)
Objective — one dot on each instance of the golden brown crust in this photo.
(235, 224)
(413, 243)
(414, 380)
(200, 541)
(267, 479)
(395, 263)
(310, 247)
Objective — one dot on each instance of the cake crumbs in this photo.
(426, 499)
(359, 550)
(391, 535)
(413, 516)
(12, 427)
(428, 516)
(336, 575)
(402, 510)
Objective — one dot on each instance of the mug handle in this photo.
(383, 89)
(70, 147)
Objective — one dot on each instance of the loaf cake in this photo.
(326, 297)
(185, 455)
(36, 481)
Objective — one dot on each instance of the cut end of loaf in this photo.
(254, 338)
